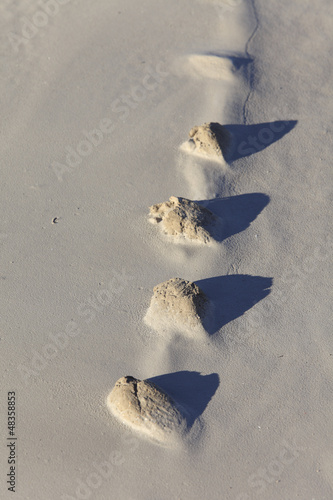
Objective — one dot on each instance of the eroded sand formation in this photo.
(210, 139)
(145, 407)
(178, 304)
(183, 217)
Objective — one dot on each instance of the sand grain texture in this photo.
(96, 101)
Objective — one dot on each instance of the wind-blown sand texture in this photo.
(211, 66)
(96, 99)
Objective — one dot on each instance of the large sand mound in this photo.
(178, 304)
(148, 409)
(183, 217)
(210, 140)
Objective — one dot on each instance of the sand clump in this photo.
(183, 217)
(210, 139)
(178, 304)
(145, 407)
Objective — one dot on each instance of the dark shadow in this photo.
(236, 212)
(231, 296)
(191, 390)
(247, 140)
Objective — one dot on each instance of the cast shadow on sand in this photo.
(231, 297)
(247, 140)
(190, 389)
(236, 212)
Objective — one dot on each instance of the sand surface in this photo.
(96, 100)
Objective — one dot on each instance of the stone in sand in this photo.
(181, 300)
(147, 408)
(180, 216)
(210, 139)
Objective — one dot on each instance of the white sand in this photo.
(74, 293)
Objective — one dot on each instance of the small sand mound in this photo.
(178, 305)
(182, 217)
(210, 139)
(212, 66)
(147, 408)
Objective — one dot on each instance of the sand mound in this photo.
(212, 66)
(178, 305)
(209, 139)
(147, 408)
(182, 217)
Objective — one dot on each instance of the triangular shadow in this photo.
(191, 390)
(236, 212)
(231, 296)
(247, 140)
